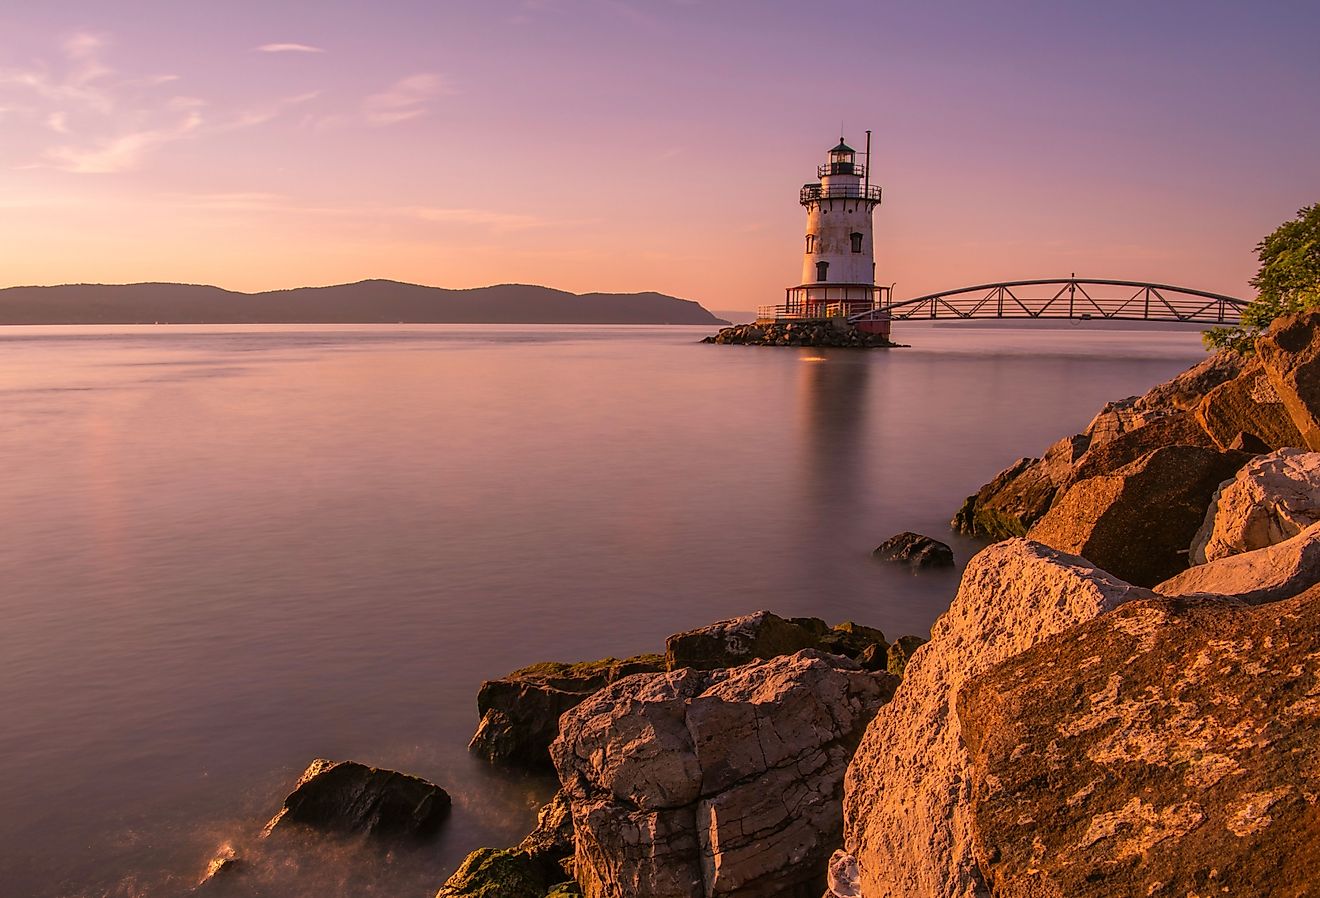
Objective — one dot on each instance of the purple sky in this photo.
(622, 145)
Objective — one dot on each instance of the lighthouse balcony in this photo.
(840, 168)
(814, 193)
(821, 302)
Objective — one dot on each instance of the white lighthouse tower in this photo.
(838, 263)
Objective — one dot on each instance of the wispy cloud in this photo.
(88, 118)
(288, 48)
(120, 153)
(408, 98)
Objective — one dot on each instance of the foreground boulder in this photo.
(520, 713)
(1273, 498)
(1166, 749)
(714, 783)
(1138, 522)
(348, 797)
(530, 870)
(1271, 574)
(915, 551)
(764, 635)
(1289, 354)
(907, 801)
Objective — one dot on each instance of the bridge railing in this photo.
(1070, 298)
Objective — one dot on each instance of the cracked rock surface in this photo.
(715, 783)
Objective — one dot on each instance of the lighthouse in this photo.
(838, 261)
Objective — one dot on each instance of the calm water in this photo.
(228, 551)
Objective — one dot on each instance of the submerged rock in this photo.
(1273, 498)
(1138, 521)
(348, 797)
(219, 870)
(520, 712)
(714, 783)
(907, 800)
(1289, 355)
(915, 550)
(1166, 749)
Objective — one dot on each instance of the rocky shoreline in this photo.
(1122, 698)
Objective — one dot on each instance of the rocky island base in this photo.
(840, 334)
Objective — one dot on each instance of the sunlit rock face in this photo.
(1167, 749)
(1249, 404)
(1138, 521)
(907, 793)
(1274, 498)
(1289, 354)
(1271, 574)
(715, 783)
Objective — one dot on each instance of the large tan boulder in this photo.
(1171, 429)
(1276, 572)
(1273, 498)
(715, 783)
(1289, 353)
(907, 793)
(1137, 522)
(1168, 749)
(1248, 406)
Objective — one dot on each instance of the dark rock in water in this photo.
(348, 797)
(1250, 406)
(915, 550)
(1006, 506)
(520, 713)
(1138, 522)
(531, 870)
(1166, 748)
(901, 651)
(1289, 354)
(761, 636)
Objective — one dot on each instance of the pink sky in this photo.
(622, 146)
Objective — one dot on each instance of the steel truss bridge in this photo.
(1068, 298)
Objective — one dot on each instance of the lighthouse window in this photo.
(811, 243)
(821, 268)
(856, 242)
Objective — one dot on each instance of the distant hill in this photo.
(366, 302)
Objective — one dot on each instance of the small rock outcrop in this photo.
(1273, 498)
(1110, 519)
(1289, 354)
(220, 869)
(1276, 572)
(1166, 749)
(714, 783)
(520, 712)
(806, 333)
(531, 870)
(348, 797)
(915, 551)
(764, 635)
(907, 799)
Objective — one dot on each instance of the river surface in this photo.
(228, 551)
